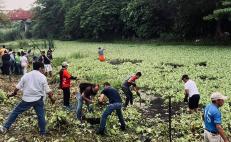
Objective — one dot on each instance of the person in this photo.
(49, 53)
(47, 63)
(87, 91)
(191, 93)
(2, 50)
(6, 63)
(126, 88)
(12, 61)
(101, 54)
(65, 84)
(115, 104)
(24, 62)
(18, 68)
(212, 118)
(35, 87)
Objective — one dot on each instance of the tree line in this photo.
(132, 19)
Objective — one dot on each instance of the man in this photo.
(49, 53)
(126, 88)
(35, 87)
(212, 118)
(2, 50)
(47, 63)
(6, 63)
(87, 91)
(18, 68)
(115, 104)
(12, 61)
(24, 62)
(101, 54)
(191, 93)
(65, 84)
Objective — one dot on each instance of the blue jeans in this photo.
(110, 108)
(80, 106)
(23, 106)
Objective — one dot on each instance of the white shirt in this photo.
(24, 61)
(191, 87)
(34, 85)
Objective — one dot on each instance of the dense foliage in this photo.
(125, 19)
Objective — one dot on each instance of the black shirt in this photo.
(6, 58)
(112, 94)
(44, 59)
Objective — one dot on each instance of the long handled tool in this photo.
(138, 94)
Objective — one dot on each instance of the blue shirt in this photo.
(212, 116)
(100, 52)
(112, 94)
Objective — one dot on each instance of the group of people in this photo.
(214, 131)
(17, 63)
(87, 91)
(12, 62)
(35, 87)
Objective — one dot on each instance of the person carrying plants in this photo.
(126, 88)
(101, 54)
(35, 87)
(212, 118)
(115, 104)
(65, 84)
(86, 92)
(192, 94)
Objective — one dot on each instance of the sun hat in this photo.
(218, 96)
(65, 64)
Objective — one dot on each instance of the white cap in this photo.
(65, 64)
(217, 96)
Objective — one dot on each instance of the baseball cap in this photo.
(64, 64)
(217, 96)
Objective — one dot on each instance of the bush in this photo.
(168, 37)
(22, 43)
(8, 34)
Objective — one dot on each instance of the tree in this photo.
(49, 18)
(147, 18)
(73, 19)
(222, 14)
(189, 21)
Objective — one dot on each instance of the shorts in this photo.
(194, 101)
(210, 137)
(48, 68)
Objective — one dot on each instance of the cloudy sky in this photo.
(16, 4)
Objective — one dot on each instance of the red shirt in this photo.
(65, 79)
